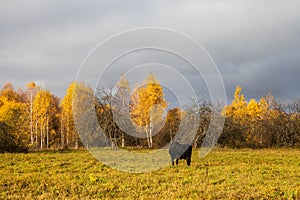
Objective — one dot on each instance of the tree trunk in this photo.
(62, 133)
(36, 135)
(47, 130)
(76, 140)
(150, 136)
(67, 132)
(41, 136)
(111, 140)
(123, 142)
(31, 118)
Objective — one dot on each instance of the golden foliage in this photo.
(147, 99)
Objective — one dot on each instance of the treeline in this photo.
(35, 119)
(263, 124)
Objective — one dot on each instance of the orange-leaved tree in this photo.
(148, 106)
(246, 118)
(45, 114)
(78, 99)
(31, 91)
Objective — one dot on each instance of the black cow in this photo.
(180, 151)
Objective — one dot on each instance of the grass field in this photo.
(232, 174)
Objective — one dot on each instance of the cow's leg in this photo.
(188, 160)
(172, 160)
(177, 161)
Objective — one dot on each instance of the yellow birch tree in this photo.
(45, 109)
(148, 105)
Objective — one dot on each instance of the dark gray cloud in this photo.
(254, 43)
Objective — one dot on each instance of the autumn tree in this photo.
(148, 106)
(83, 95)
(45, 109)
(9, 92)
(113, 113)
(13, 123)
(238, 106)
(31, 91)
(201, 108)
(7, 141)
(83, 111)
(173, 121)
(105, 116)
(256, 112)
(262, 123)
(120, 107)
(234, 126)
(14, 135)
(67, 121)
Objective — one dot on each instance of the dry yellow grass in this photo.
(232, 174)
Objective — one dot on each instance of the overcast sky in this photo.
(255, 44)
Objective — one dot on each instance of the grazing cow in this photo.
(180, 151)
